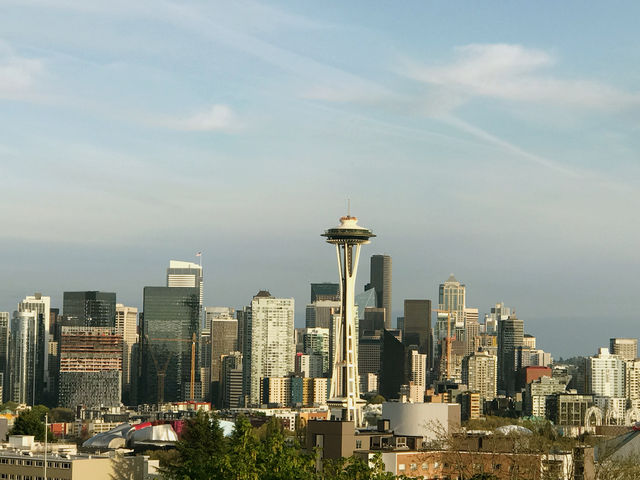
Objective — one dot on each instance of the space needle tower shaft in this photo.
(344, 395)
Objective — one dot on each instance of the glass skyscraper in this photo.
(90, 309)
(170, 321)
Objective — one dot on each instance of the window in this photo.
(413, 467)
(425, 466)
(401, 467)
(358, 443)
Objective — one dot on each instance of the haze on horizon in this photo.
(495, 141)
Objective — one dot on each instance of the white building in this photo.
(270, 347)
(185, 274)
(23, 347)
(127, 326)
(41, 306)
(480, 373)
(605, 375)
(418, 373)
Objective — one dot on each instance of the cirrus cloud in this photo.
(516, 73)
(18, 75)
(216, 118)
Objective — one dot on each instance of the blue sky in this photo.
(495, 140)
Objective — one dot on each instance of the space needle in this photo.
(344, 394)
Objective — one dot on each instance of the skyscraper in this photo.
(318, 314)
(315, 341)
(452, 298)
(605, 375)
(23, 347)
(269, 344)
(170, 329)
(510, 337)
(127, 328)
(393, 368)
(41, 306)
(417, 326)
(380, 280)
(4, 354)
(344, 397)
(186, 274)
(224, 340)
(90, 309)
(480, 373)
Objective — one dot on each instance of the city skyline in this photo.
(498, 142)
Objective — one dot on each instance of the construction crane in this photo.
(448, 340)
(162, 371)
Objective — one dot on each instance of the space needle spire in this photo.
(344, 395)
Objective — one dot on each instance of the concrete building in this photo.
(270, 347)
(538, 392)
(625, 348)
(498, 312)
(430, 421)
(605, 375)
(315, 341)
(568, 409)
(231, 380)
(308, 365)
(529, 341)
(127, 328)
(417, 363)
(224, 340)
(90, 367)
(480, 373)
(319, 313)
(381, 281)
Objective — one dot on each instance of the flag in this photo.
(199, 254)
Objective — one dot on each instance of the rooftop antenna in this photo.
(348, 207)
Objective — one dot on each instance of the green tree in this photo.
(31, 422)
(242, 459)
(200, 451)
(281, 458)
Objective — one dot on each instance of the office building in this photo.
(315, 341)
(625, 348)
(231, 380)
(393, 370)
(186, 274)
(90, 367)
(380, 281)
(510, 337)
(269, 343)
(498, 312)
(170, 330)
(364, 300)
(568, 408)
(529, 341)
(23, 348)
(41, 306)
(319, 313)
(632, 381)
(224, 340)
(605, 375)
(417, 372)
(90, 309)
(452, 298)
(374, 320)
(4, 354)
(539, 391)
(480, 374)
(127, 328)
(344, 393)
(325, 291)
(417, 326)
(369, 348)
(308, 365)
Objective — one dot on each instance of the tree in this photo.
(242, 458)
(60, 414)
(200, 450)
(31, 422)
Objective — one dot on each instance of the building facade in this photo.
(380, 281)
(90, 308)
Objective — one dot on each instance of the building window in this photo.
(413, 467)
(401, 467)
(425, 466)
(358, 443)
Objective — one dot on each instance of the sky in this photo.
(495, 140)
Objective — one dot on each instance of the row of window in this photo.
(8, 476)
(35, 463)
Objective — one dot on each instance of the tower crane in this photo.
(162, 371)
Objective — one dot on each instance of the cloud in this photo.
(516, 73)
(217, 118)
(18, 75)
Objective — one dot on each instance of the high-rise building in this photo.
(23, 348)
(308, 365)
(186, 274)
(369, 347)
(480, 373)
(498, 312)
(374, 320)
(510, 336)
(380, 281)
(127, 328)
(605, 375)
(344, 393)
(417, 363)
(4, 354)
(170, 332)
(319, 313)
(224, 340)
(364, 300)
(90, 367)
(41, 306)
(315, 341)
(625, 348)
(529, 341)
(393, 370)
(451, 298)
(325, 291)
(231, 380)
(90, 309)
(417, 326)
(269, 344)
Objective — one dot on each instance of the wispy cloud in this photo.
(216, 118)
(517, 73)
(18, 75)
